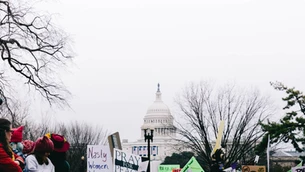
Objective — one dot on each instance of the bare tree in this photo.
(34, 129)
(16, 112)
(33, 49)
(79, 136)
(202, 108)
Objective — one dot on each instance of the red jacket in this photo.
(7, 164)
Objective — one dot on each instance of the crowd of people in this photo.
(46, 154)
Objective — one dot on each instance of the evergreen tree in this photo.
(178, 158)
(291, 127)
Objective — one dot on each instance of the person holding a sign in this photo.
(39, 161)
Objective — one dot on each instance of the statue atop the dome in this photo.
(158, 87)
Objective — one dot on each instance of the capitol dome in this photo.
(158, 107)
(158, 117)
(158, 133)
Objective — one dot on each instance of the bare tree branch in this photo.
(33, 48)
(203, 108)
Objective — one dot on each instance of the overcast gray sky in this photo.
(125, 47)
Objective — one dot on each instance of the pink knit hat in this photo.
(17, 134)
(60, 143)
(28, 146)
(44, 144)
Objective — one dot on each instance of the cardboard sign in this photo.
(176, 170)
(143, 166)
(298, 169)
(168, 168)
(192, 165)
(253, 168)
(114, 142)
(299, 165)
(99, 158)
(126, 162)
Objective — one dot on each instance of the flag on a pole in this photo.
(219, 136)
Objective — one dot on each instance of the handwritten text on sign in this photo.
(125, 162)
(99, 158)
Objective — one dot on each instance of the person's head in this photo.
(61, 146)
(60, 143)
(17, 146)
(6, 134)
(5, 130)
(17, 134)
(223, 145)
(43, 147)
(57, 157)
(28, 146)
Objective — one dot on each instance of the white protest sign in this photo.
(99, 158)
(143, 166)
(125, 162)
(298, 169)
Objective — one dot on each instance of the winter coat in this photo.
(61, 166)
(7, 164)
(32, 165)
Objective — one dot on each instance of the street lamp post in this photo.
(83, 164)
(148, 137)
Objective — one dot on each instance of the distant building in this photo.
(158, 117)
(285, 158)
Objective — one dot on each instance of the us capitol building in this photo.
(158, 117)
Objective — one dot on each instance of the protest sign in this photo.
(298, 169)
(192, 165)
(114, 142)
(168, 168)
(99, 158)
(253, 168)
(143, 166)
(126, 162)
(299, 165)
